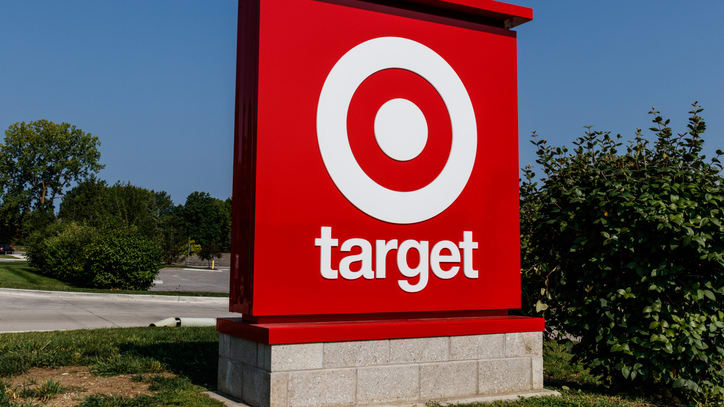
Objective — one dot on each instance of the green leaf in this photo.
(626, 372)
(540, 306)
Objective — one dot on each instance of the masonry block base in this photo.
(407, 371)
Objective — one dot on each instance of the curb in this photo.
(115, 297)
(230, 402)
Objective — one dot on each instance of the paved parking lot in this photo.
(189, 279)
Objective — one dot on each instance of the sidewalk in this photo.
(15, 257)
(30, 310)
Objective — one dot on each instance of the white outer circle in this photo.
(400, 129)
(343, 80)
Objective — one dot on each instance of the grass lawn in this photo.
(173, 366)
(158, 366)
(20, 275)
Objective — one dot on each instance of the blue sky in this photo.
(155, 79)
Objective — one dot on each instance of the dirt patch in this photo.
(77, 383)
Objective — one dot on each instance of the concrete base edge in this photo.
(228, 402)
(500, 397)
(390, 372)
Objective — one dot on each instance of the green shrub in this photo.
(625, 250)
(96, 258)
(124, 261)
(57, 251)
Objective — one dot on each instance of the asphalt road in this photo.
(14, 257)
(186, 279)
(25, 310)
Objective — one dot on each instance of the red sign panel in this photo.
(376, 162)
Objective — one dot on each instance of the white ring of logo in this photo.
(343, 80)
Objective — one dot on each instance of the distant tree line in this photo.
(202, 219)
(42, 162)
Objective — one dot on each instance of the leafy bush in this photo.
(58, 251)
(124, 261)
(208, 222)
(99, 258)
(625, 250)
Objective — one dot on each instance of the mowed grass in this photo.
(188, 352)
(174, 391)
(18, 274)
(191, 354)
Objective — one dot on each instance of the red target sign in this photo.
(376, 161)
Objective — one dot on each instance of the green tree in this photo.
(12, 211)
(208, 223)
(38, 161)
(136, 207)
(228, 209)
(152, 214)
(623, 247)
(44, 158)
(96, 204)
(174, 239)
(86, 203)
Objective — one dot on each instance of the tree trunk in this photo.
(42, 194)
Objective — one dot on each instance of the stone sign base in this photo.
(381, 372)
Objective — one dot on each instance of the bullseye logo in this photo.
(401, 130)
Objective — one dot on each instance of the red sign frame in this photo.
(291, 203)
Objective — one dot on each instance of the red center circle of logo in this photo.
(375, 91)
